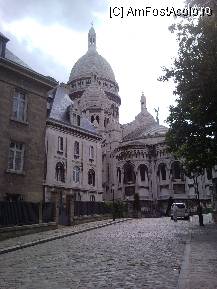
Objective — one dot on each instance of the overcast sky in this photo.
(50, 36)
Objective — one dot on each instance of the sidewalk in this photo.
(199, 267)
(21, 242)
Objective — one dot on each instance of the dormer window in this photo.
(76, 119)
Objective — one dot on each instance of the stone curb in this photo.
(183, 281)
(41, 241)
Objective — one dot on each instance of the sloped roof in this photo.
(10, 56)
(60, 110)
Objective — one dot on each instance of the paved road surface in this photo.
(143, 253)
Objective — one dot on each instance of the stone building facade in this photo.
(134, 155)
(85, 153)
(73, 152)
(23, 103)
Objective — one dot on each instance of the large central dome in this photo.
(92, 62)
(93, 68)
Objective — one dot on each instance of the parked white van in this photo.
(181, 211)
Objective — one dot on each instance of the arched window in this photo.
(91, 153)
(76, 174)
(76, 149)
(129, 174)
(176, 170)
(92, 198)
(162, 172)
(91, 177)
(60, 172)
(92, 118)
(143, 172)
(119, 175)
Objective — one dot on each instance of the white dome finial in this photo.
(92, 38)
(143, 102)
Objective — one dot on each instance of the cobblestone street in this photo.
(143, 253)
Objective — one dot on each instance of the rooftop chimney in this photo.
(3, 42)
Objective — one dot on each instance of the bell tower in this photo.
(92, 39)
(143, 102)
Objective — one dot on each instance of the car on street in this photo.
(181, 211)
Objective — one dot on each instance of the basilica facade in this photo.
(124, 159)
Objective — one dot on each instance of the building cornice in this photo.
(72, 129)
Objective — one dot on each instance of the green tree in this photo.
(192, 136)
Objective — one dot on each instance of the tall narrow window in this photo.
(91, 177)
(19, 106)
(91, 152)
(76, 174)
(76, 149)
(60, 144)
(143, 172)
(60, 172)
(162, 172)
(119, 175)
(176, 170)
(16, 157)
(129, 174)
(92, 198)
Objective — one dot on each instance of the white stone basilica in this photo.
(130, 158)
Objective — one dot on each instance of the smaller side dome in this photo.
(93, 96)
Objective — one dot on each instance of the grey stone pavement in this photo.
(200, 260)
(139, 253)
(62, 231)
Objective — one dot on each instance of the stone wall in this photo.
(31, 133)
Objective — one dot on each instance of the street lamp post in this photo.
(127, 198)
(199, 208)
(113, 201)
(195, 178)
